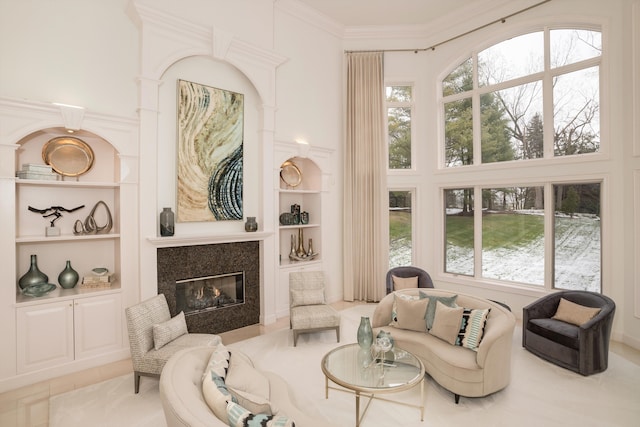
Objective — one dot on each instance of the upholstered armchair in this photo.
(308, 308)
(154, 337)
(405, 272)
(582, 348)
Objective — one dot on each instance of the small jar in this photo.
(251, 224)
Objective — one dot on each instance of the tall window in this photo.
(400, 228)
(399, 125)
(533, 98)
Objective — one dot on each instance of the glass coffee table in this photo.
(357, 371)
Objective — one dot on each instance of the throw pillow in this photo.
(241, 417)
(164, 333)
(394, 307)
(218, 362)
(216, 395)
(307, 297)
(411, 314)
(253, 403)
(449, 301)
(446, 323)
(573, 313)
(472, 327)
(246, 383)
(404, 282)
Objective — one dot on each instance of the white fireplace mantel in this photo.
(204, 239)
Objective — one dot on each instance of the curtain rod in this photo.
(433, 47)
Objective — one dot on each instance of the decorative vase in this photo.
(33, 276)
(365, 333)
(251, 224)
(292, 253)
(310, 249)
(300, 251)
(68, 277)
(166, 222)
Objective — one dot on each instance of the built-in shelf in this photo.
(204, 239)
(296, 226)
(66, 238)
(64, 184)
(60, 294)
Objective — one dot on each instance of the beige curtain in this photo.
(365, 193)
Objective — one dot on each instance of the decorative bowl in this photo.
(38, 289)
(100, 271)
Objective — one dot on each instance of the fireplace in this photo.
(188, 276)
(193, 296)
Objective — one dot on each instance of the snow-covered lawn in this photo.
(577, 262)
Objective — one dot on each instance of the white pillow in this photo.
(307, 297)
(446, 322)
(248, 385)
(404, 282)
(164, 333)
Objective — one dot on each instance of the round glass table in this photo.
(365, 373)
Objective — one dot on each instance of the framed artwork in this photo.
(210, 138)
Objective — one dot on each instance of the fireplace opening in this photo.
(200, 294)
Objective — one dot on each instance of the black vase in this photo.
(68, 277)
(33, 276)
(166, 222)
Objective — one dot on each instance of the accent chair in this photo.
(580, 348)
(308, 309)
(154, 337)
(408, 271)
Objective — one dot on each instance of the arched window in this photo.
(523, 109)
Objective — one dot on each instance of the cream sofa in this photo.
(458, 369)
(183, 402)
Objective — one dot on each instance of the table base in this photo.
(371, 396)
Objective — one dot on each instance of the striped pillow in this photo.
(472, 327)
(241, 417)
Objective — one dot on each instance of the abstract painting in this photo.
(210, 139)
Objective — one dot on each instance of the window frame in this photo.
(546, 171)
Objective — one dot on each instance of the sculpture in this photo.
(55, 211)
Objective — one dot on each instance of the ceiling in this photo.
(386, 12)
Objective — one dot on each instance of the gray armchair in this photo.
(583, 349)
(308, 309)
(147, 360)
(424, 280)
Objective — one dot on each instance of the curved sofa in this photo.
(460, 370)
(184, 404)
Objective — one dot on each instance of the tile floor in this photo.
(29, 406)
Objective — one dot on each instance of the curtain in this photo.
(365, 192)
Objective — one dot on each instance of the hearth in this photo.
(188, 276)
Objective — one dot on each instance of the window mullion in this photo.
(549, 236)
(477, 232)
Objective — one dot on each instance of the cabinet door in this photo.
(45, 335)
(97, 325)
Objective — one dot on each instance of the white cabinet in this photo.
(59, 332)
(45, 335)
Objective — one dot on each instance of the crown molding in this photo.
(310, 16)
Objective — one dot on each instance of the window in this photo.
(400, 228)
(513, 234)
(399, 126)
(534, 98)
(509, 82)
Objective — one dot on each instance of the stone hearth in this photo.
(187, 262)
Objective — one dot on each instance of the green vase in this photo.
(365, 334)
(68, 277)
(34, 276)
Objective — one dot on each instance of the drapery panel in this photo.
(366, 233)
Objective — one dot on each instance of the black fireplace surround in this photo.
(176, 264)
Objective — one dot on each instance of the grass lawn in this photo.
(499, 230)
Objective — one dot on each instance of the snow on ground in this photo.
(577, 263)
